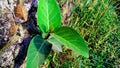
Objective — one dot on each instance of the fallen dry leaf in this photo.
(13, 28)
(21, 11)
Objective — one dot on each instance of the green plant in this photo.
(53, 35)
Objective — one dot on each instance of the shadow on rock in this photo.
(22, 53)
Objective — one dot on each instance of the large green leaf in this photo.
(49, 17)
(37, 52)
(70, 38)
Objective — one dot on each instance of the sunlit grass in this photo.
(98, 23)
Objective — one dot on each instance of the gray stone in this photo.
(12, 48)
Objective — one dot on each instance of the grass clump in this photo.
(98, 23)
(99, 26)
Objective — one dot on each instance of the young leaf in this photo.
(49, 17)
(56, 46)
(70, 38)
(37, 52)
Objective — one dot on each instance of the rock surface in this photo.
(16, 33)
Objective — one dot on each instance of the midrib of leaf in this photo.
(39, 50)
(65, 41)
(47, 14)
